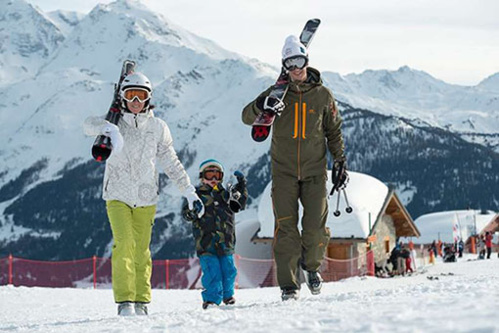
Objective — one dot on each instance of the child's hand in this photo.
(241, 181)
(189, 215)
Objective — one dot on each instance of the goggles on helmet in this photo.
(141, 94)
(295, 62)
(210, 174)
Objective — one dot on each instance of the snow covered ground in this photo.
(463, 302)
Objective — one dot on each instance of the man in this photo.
(131, 189)
(308, 124)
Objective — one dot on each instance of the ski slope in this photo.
(463, 302)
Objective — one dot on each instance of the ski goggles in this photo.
(210, 174)
(296, 62)
(141, 94)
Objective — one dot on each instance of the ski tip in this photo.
(315, 21)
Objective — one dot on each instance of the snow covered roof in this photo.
(440, 224)
(366, 195)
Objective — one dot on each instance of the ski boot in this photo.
(290, 293)
(314, 282)
(125, 309)
(141, 309)
(208, 304)
(230, 301)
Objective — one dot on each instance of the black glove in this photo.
(270, 104)
(241, 181)
(237, 200)
(339, 175)
(192, 214)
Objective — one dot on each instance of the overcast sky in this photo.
(454, 40)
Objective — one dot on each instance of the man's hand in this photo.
(270, 104)
(339, 175)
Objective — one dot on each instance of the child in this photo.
(214, 231)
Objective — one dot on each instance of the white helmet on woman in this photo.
(136, 85)
(138, 80)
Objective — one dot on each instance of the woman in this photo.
(131, 189)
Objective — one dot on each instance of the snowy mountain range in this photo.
(396, 127)
(28, 38)
(470, 111)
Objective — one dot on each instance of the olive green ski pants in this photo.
(291, 248)
(131, 257)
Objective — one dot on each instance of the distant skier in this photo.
(461, 248)
(131, 189)
(481, 246)
(308, 125)
(488, 243)
(214, 232)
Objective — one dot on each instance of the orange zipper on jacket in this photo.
(304, 112)
(299, 140)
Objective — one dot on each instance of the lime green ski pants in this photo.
(131, 257)
(290, 247)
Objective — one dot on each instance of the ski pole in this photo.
(349, 209)
(337, 211)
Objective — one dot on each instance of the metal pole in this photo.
(10, 269)
(94, 262)
(370, 244)
(474, 221)
(167, 274)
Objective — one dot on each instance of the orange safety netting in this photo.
(166, 274)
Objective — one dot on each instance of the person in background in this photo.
(460, 247)
(433, 247)
(406, 254)
(481, 246)
(488, 243)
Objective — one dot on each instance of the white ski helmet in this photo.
(137, 80)
(293, 47)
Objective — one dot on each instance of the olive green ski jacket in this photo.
(309, 123)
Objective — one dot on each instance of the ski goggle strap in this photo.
(210, 174)
(140, 94)
(296, 62)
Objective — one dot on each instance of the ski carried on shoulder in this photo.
(102, 146)
(261, 126)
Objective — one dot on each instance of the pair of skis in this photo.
(102, 146)
(261, 126)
